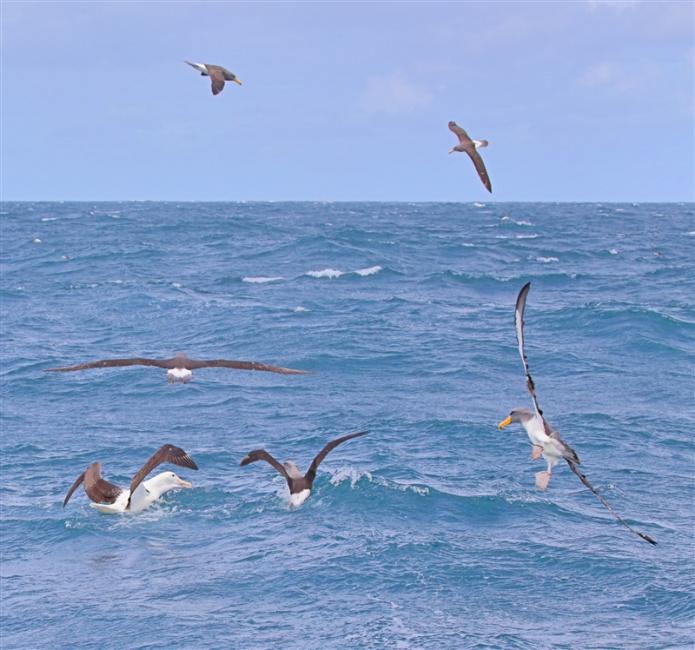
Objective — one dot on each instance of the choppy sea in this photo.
(427, 533)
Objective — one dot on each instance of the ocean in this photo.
(426, 533)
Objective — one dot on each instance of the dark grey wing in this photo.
(479, 166)
(262, 454)
(567, 452)
(460, 133)
(192, 364)
(216, 77)
(519, 324)
(111, 363)
(97, 489)
(165, 454)
(311, 474)
(600, 497)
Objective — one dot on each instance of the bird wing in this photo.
(602, 499)
(311, 474)
(519, 324)
(110, 363)
(479, 167)
(460, 133)
(262, 454)
(192, 364)
(217, 77)
(98, 489)
(165, 454)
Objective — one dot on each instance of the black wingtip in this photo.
(646, 538)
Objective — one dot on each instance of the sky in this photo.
(581, 101)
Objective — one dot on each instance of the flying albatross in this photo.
(299, 484)
(109, 498)
(218, 75)
(179, 367)
(471, 147)
(545, 439)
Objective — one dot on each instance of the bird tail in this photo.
(608, 506)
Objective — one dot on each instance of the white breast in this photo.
(536, 431)
(179, 374)
(299, 497)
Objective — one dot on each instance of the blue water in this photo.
(428, 533)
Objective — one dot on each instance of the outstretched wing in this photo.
(165, 454)
(262, 454)
(110, 363)
(519, 324)
(192, 364)
(479, 167)
(311, 474)
(98, 489)
(600, 497)
(460, 133)
(217, 77)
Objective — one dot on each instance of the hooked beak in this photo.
(185, 484)
(236, 81)
(505, 423)
(451, 151)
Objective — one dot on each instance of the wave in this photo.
(261, 279)
(547, 260)
(332, 273)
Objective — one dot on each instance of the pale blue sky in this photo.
(587, 100)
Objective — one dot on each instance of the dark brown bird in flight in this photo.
(179, 367)
(470, 147)
(218, 75)
(300, 484)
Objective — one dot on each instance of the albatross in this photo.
(299, 484)
(470, 147)
(545, 440)
(111, 499)
(179, 367)
(218, 75)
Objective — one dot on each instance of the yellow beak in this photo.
(185, 484)
(505, 423)
(236, 81)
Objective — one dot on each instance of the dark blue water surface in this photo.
(429, 532)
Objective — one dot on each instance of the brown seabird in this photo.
(470, 147)
(299, 484)
(545, 439)
(218, 75)
(179, 367)
(109, 498)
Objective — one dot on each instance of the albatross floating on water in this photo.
(545, 439)
(111, 499)
(218, 75)
(471, 147)
(179, 367)
(299, 484)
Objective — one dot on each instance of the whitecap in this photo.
(547, 260)
(261, 279)
(299, 309)
(526, 236)
(177, 285)
(49, 218)
(36, 240)
(692, 233)
(349, 474)
(325, 273)
(478, 205)
(523, 222)
(613, 251)
(368, 271)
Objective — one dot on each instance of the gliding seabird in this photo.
(470, 147)
(179, 367)
(218, 75)
(545, 439)
(300, 484)
(110, 499)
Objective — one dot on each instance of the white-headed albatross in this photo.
(300, 484)
(545, 439)
(179, 367)
(111, 499)
(218, 75)
(469, 146)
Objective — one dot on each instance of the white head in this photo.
(292, 469)
(164, 482)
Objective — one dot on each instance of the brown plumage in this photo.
(295, 480)
(470, 147)
(218, 75)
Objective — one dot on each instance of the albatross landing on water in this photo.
(545, 439)
(218, 75)
(111, 499)
(300, 484)
(179, 367)
(470, 147)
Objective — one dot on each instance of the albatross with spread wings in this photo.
(545, 439)
(300, 484)
(179, 367)
(111, 499)
(469, 146)
(218, 75)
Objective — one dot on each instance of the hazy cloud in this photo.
(618, 76)
(393, 94)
